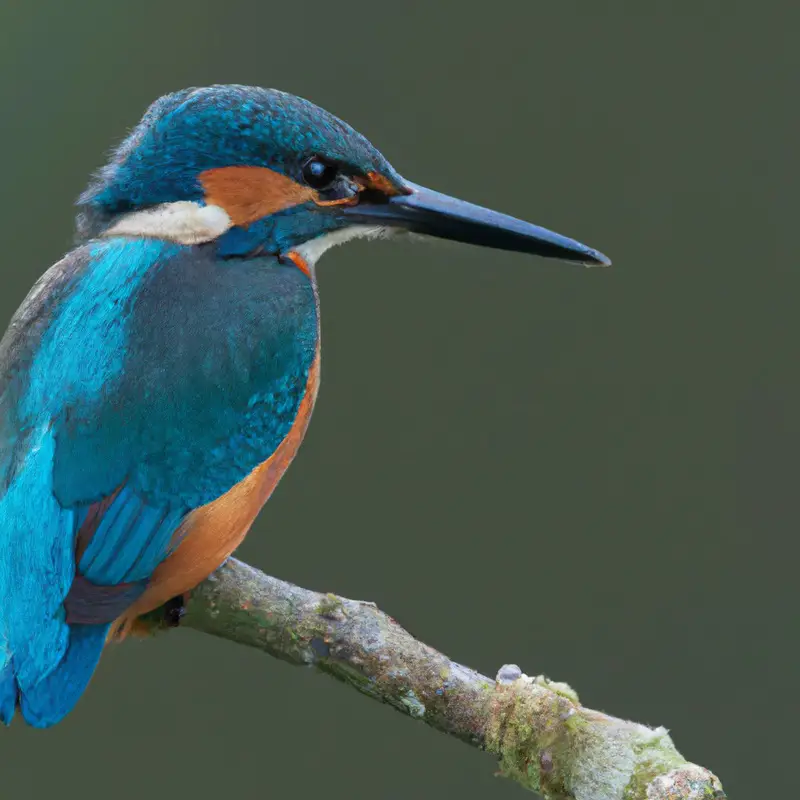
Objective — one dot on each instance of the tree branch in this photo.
(543, 737)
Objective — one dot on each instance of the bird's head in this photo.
(262, 171)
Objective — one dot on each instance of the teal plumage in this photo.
(158, 371)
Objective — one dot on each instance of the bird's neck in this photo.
(191, 223)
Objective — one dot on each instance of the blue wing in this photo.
(139, 380)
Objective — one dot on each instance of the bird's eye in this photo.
(318, 173)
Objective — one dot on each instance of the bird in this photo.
(157, 381)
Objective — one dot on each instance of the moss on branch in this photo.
(541, 734)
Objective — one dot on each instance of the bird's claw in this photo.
(174, 610)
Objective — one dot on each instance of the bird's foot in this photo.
(174, 611)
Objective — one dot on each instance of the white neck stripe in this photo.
(183, 222)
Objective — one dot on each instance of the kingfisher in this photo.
(156, 382)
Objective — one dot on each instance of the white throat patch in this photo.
(183, 222)
(311, 250)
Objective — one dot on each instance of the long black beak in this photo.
(434, 214)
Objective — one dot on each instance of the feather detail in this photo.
(211, 533)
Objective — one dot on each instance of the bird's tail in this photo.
(45, 663)
(50, 699)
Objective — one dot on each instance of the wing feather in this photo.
(139, 380)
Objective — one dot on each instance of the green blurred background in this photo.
(589, 473)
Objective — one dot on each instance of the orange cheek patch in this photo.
(380, 183)
(250, 193)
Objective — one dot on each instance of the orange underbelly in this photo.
(212, 532)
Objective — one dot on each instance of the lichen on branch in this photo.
(541, 734)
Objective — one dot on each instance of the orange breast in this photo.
(213, 531)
